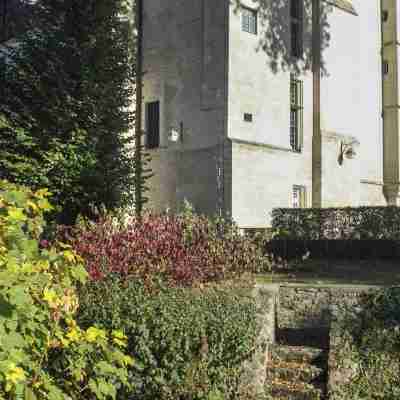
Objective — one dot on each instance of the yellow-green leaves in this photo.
(93, 334)
(119, 338)
(38, 301)
(16, 214)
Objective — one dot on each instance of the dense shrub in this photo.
(337, 223)
(184, 249)
(375, 348)
(187, 343)
(336, 233)
(44, 354)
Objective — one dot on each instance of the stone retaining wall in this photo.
(341, 368)
(254, 374)
(313, 307)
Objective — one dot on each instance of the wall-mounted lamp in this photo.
(347, 150)
(175, 135)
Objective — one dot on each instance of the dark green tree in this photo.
(66, 104)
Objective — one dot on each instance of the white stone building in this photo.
(228, 105)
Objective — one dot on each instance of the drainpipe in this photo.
(139, 98)
(316, 138)
(390, 105)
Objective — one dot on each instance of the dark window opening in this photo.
(248, 117)
(153, 125)
(296, 28)
(296, 114)
(385, 68)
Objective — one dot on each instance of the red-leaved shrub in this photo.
(185, 249)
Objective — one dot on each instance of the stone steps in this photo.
(298, 364)
(302, 354)
(289, 391)
(293, 372)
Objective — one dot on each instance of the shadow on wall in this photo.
(275, 40)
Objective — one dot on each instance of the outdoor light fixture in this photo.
(175, 135)
(347, 150)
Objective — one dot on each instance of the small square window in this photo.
(385, 68)
(385, 15)
(249, 20)
(248, 117)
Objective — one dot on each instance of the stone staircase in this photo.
(297, 368)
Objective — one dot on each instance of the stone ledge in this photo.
(254, 371)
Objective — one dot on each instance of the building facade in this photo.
(229, 105)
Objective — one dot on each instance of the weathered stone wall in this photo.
(341, 369)
(328, 307)
(254, 374)
(308, 307)
(363, 358)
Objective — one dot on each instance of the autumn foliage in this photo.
(184, 250)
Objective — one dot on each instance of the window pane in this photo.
(153, 125)
(299, 198)
(245, 23)
(249, 20)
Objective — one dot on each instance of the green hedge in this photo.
(337, 223)
(375, 349)
(186, 343)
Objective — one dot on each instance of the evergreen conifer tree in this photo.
(66, 96)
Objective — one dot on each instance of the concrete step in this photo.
(284, 390)
(294, 372)
(299, 354)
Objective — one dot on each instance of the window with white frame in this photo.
(249, 20)
(296, 113)
(299, 196)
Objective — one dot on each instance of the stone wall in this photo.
(263, 179)
(207, 73)
(264, 169)
(184, 43)
(341, 369)
(309, 307)
(328, 307)
(184, 175)
(254, 374)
